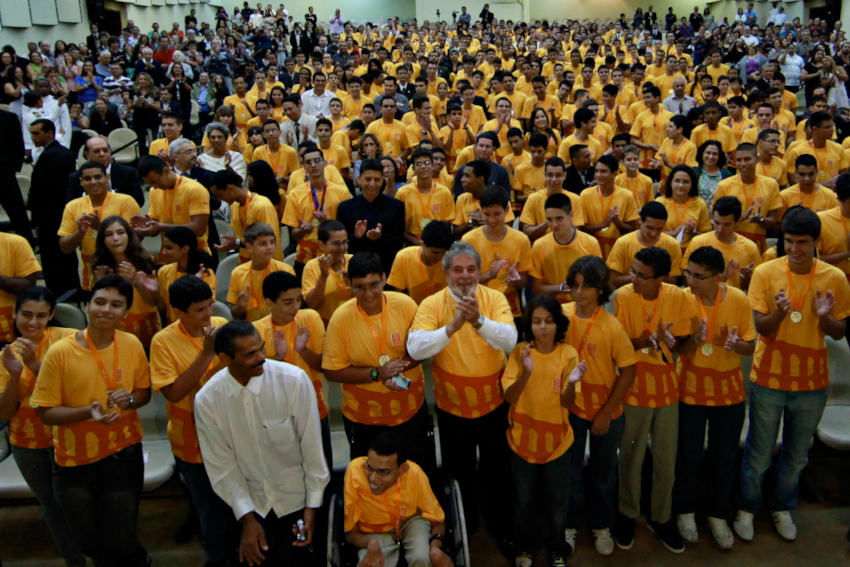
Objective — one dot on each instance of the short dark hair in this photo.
(609, 161)
(709, 258)
(554, 161)
(554, 308)
(36, 293)
(327, 227)
(371, 165)
(437, 235)
(583, 116)
(721, 160)
(278, 282)
(92, 165)
(657, 259)
(842, 187)
(653, 210)
(480, 168)
(46, 125)
(668, 185)
(494, 195)
(151, 164)
(364, 263)
(490, 136)
(389, 443)
(256, 230)
(729, 205)
(226, 335)
(594, 273)
(538, 140)
(559, 201)
(221, 179)
(807, 160)
(187, 290)
(801, 221)
(819, 117)
(124, 287)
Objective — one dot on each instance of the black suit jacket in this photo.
(123, 179)
(387, 211)
(49, 180)
(574, 181)
(11, 142)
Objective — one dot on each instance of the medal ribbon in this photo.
(709, 322)
(380, 338)
(797, 305)
(587, 330)
(111, 382)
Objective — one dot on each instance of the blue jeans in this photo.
(724, 434)
(599, 489)
(218, 527)
(100, 501)
(543, 483)
(802, 412)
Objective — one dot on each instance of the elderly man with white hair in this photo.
(147, 64)
(217, 156)
(467, 328)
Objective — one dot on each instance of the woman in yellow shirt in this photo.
(539, 384)
(30, 438)
(118, 250)
(540, 123)
(687, 214)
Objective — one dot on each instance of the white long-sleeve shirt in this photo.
(262, 443)
(422, 344)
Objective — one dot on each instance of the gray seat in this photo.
(159, 460)
(220, 309)
(222, 276)
(70, 316)
(290, 259)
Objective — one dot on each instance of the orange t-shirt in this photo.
(17, 260)
(245, 278)
(336, 288)
(409, 273)
(595, 208)
(173, 351)
(71, 377)
(764, 191)
(743, 250)
(551, 261)
(513, 247)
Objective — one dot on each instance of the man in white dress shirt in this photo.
(317, 101)
(258, 427)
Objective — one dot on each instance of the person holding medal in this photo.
(311, 204)
(658, 318)
(383, 388)
(711, 393)
(182, 360)
(798, 300)
(89, 386)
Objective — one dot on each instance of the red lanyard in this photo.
(380, 338)
(709, 322)
(650, 323)
(797, 303)
(110, 381)
(580, 344)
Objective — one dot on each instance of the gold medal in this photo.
(707, 349)
(424, 222)
(316, 222)
(383, 359)
(645, 350)
(796, 316)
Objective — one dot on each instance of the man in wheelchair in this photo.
(389, 506)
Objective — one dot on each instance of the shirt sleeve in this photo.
(759, 292)
(308, 430)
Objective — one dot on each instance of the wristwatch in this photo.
(374, 374)
(438, 537)
(479, 322)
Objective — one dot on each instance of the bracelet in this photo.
(438, 537)
(132, 402)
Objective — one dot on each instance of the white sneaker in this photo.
(784, 525)
(570, 537)
(721, 533)
(523, 560)
(603, 541)
(687, 524)
(743, 525)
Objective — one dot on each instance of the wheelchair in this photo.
(447, 491)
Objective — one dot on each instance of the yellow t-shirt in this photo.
(777, 169)
(409, 273)
(722, 134)
(420, 209)
(297, 178)
(283, 162)
(70, 377)
(605, 347)
(459, 141)
(828, 158)
(743, 250)
(651, 128)
(538, 425)
(551, 261)
(764, 192)
(178, 205)
(795, 358)
(26, 429)
(534, 210)
(656, 381)
(716, 380)
(167, 275)
(514, 247)
(821, 199)
(173, 351)
(336, 287)
(257, 208)
(466, 204)
(392, 137)
(550, 104)
(159, 145)
(684, 154)
(17, 260)
(336, 156)
(245, 278)
(595, 209)
(300, 205)
(350, 342)
(304, 318)
(242, 108)
(695, 209)
(369, 513)
(467, 370)
(622, 255)
(594, 146)
(528, 179)
(640, 186)
(834, 236)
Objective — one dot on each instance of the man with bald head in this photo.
(122, 179)
(679, 102)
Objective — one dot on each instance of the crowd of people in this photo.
(583, 225)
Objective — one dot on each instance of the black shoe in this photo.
(669, 535)
(624, 532)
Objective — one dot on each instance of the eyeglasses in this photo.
(701, 277)
(640, 276)
(424, 163)
(373, 287)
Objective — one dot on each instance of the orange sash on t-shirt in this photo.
(655, 386)
(703, 386)
(467, 396)
(811, 366)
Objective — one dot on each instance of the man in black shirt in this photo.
(375, 222)
(486, 144)
(580, 174)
